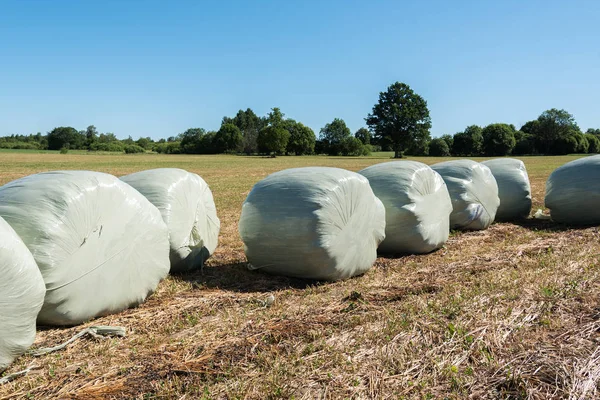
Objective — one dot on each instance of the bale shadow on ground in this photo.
(546, 225)
(237, 278)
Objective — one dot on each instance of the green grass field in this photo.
(510, 312)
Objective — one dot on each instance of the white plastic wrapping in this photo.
(417, 206)
(314, 223)
(100, 245)
(187, 207)
(573, 192)
(514, 189)
(473, 191)
(21, 295)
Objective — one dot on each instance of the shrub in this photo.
(134, 148)
(438, 147)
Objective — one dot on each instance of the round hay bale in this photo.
(101, 247)
(514, 189)
(417, 206)
(473, 191)
(22, 293)
(187, 207)
(573, 192)
(314, 223)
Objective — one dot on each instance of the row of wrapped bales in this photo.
(316, 223)
(99, 244)
(79, 244)
(573, 192)
(21, 295)
(327, 223)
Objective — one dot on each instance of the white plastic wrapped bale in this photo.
(187, 207)
(417, 206)
(100, 245)
(514, 189)
(573, 192)
(21, 295)
(473, 191)
(314, 223)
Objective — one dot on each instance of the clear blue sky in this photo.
(156, 68)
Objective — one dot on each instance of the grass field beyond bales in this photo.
(510, 312)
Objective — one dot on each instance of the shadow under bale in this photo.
(237, 278)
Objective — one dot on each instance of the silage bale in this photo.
(473, 191)
(573, 192)
(514, 189)
(187, 207)
(100, 245)
(314, 223)
(417, 206)
(21, 295)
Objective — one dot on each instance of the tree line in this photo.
(399, 122)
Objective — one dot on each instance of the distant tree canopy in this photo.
(302, 138)
(438, 147)
(400, 119)
(363, 135)
(468, 143)
(498, 139)
(65, 137)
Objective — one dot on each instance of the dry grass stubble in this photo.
(511, 312)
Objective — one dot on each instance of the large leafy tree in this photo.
(250, 124)
(400, 117)
(228, 139)
(552, 130)
(593, 131)
(498, 139)
(334, 135)
(363, 135)
(302, 138)
(190, 140)
(273, 140)
(438, 147)
(469, 142)
(65, 137)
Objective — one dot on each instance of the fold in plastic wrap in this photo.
(473, 191)
(21, 296)
(417, 206)
(187, 207)
(100, 246)
(514, 189)
(315, 223)
(573, 192)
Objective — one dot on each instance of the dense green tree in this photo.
(91, 135)
(419, 147)
(273, 139)
(593, 131)
(363, 135)
(593, 142)
(275, 117)
(228, 139)
(334, 134)
(352, 146)
(524, 143)
(302, 138)
(498, 139)
(145, 143)
(190, 140)
(438, 147)
(582, 143)
(468, 143)
(554, 125)
(449, 139)
(400, 117)
(65, 137)
(250, 124)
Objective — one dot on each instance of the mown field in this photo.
(510, 312)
